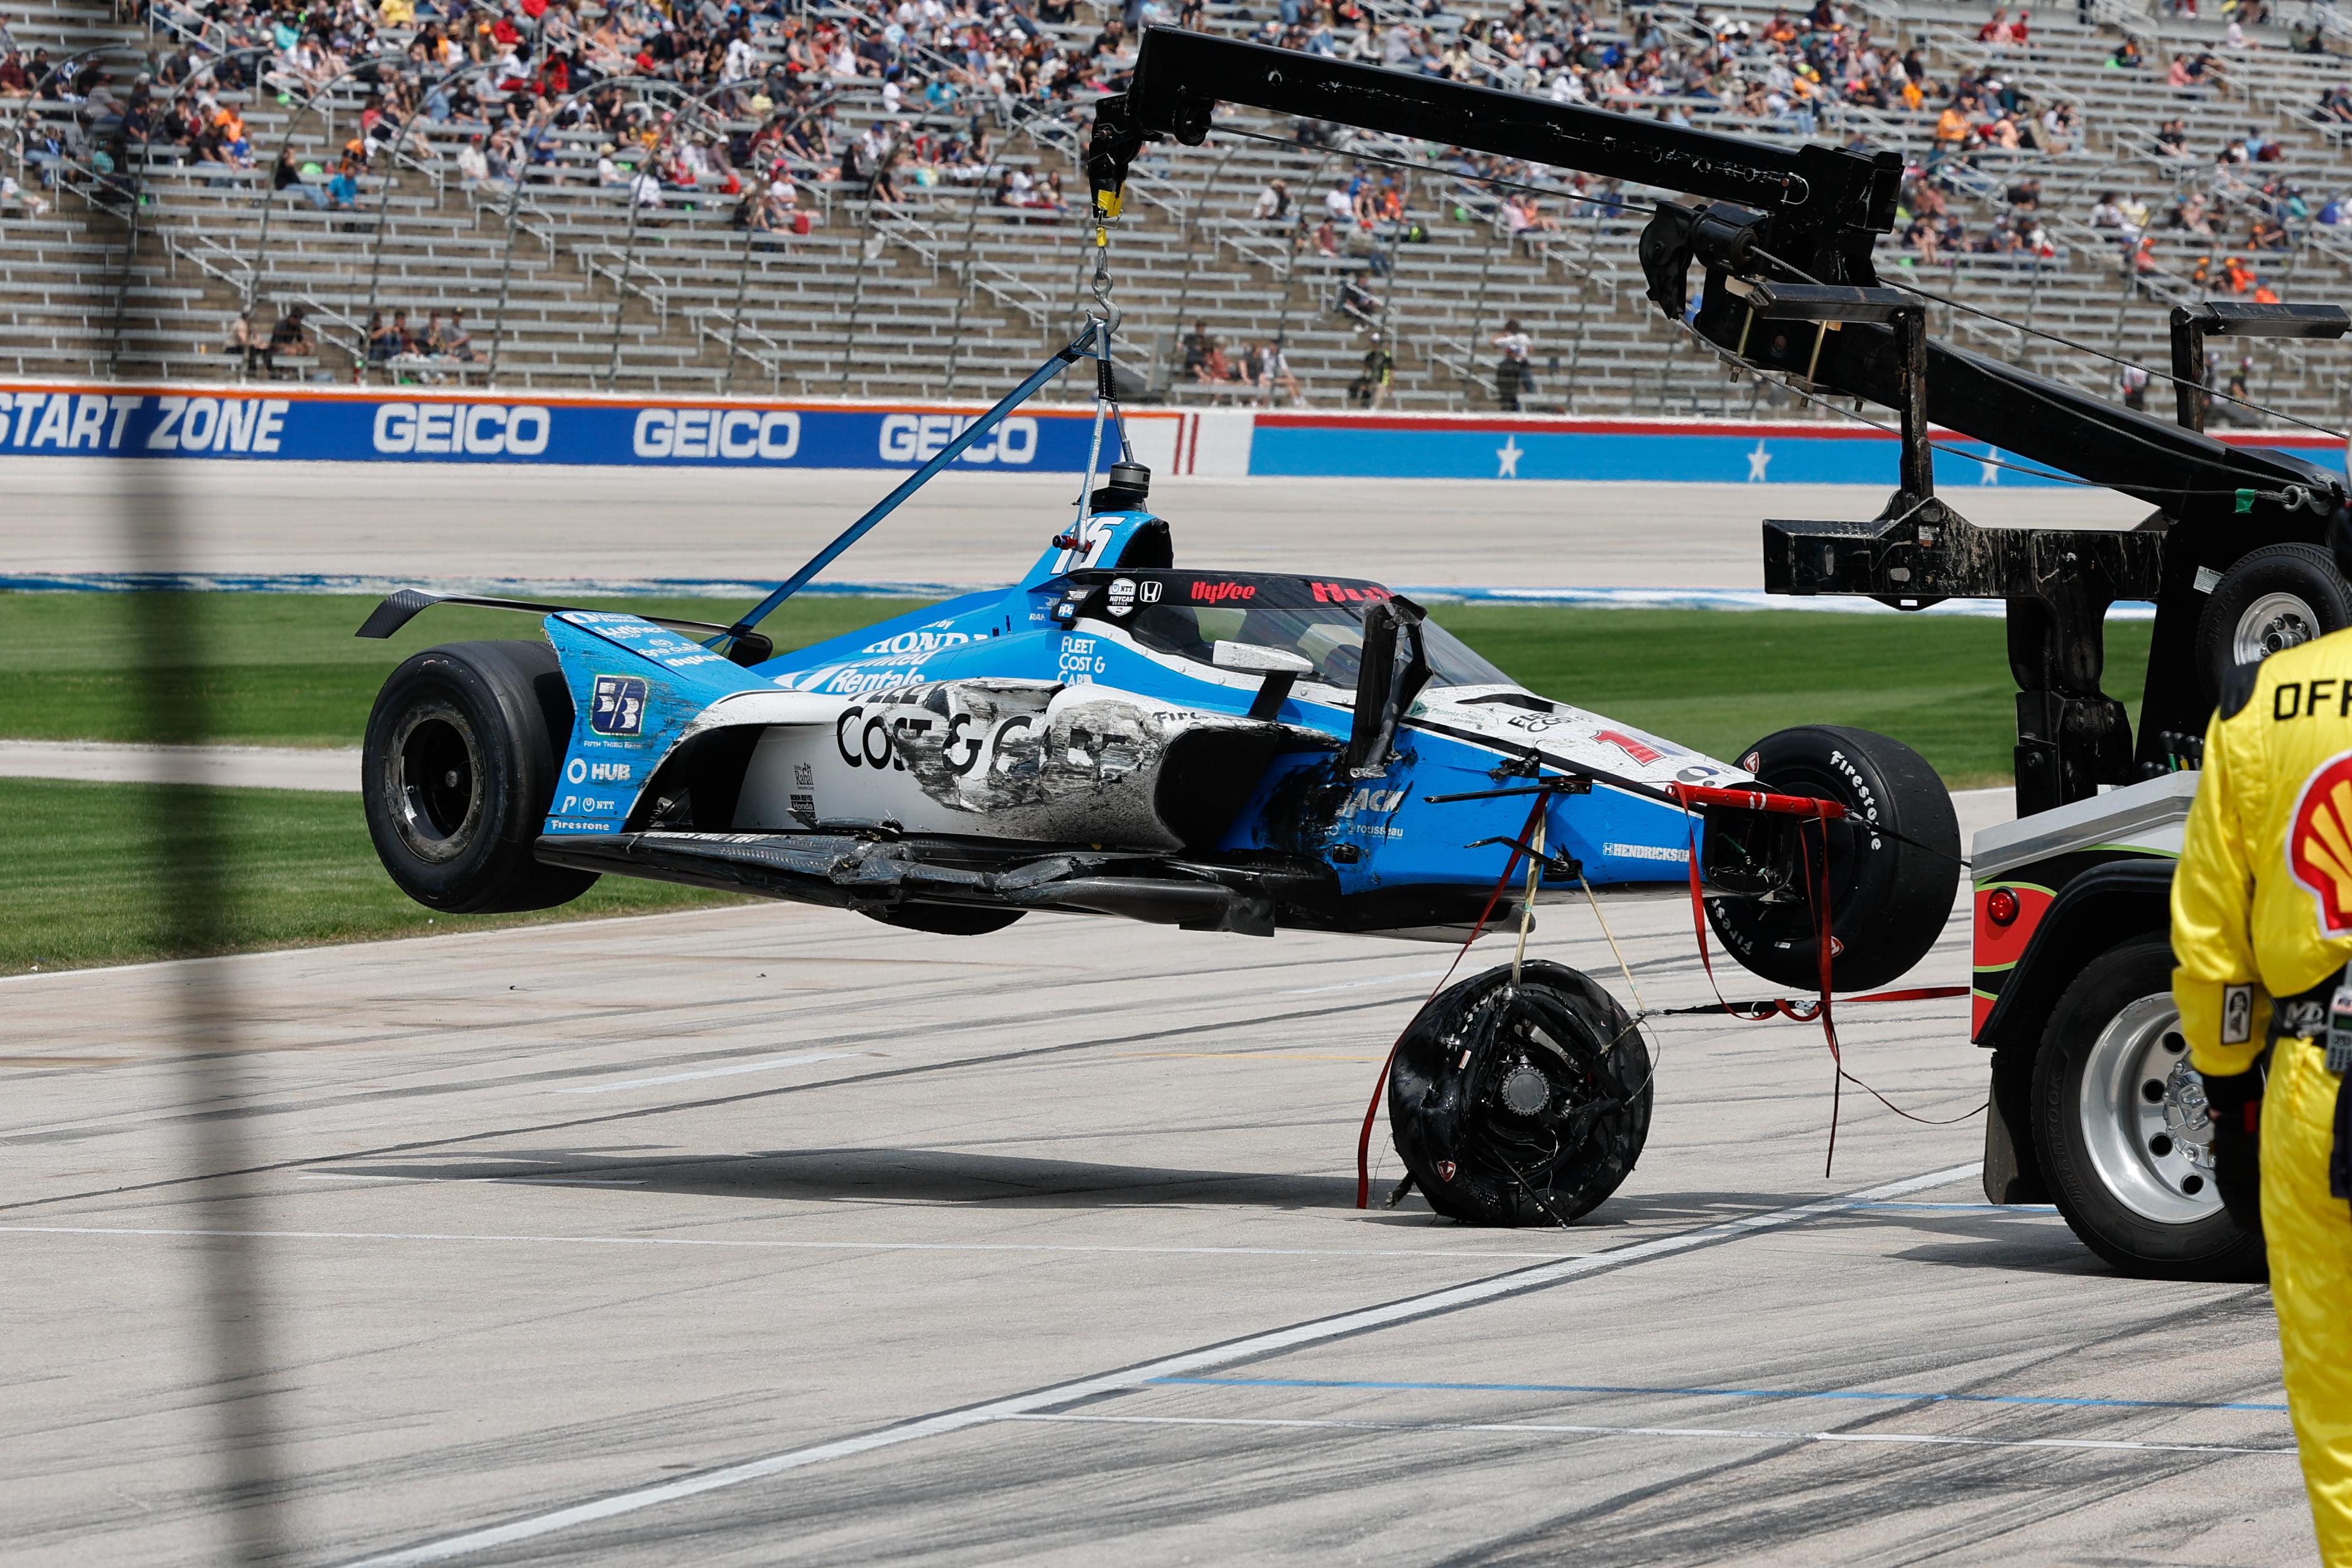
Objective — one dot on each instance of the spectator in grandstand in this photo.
(290, 340)
(457, 342)
(382, 342)
(2172, 139)
(1371, 387)
(2132, 384)
(1274, 371)
(473, 163)
(285, 174)
(1272, 204)
(1197, 345)
(2335, 106)
(2107, 214)
(16, 81)
(1512, 373)
(31, 204)
(343, 188)
(2267, 234)
(2127, 55)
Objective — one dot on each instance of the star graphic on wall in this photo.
(1755, 461)
(1508, 458)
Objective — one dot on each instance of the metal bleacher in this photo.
(946, 292)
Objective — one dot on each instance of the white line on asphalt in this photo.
(1439, 1253)
(1930, 1439)
(1388, 1314)
(769, 1066)
(1359, 984)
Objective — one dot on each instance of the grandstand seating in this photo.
(945, 292)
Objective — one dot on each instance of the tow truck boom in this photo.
(1786, 242)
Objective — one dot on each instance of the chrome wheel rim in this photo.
(2142, 1116)
(2273, 622)
(433, 778)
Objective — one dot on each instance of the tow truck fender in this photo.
(2106, 904)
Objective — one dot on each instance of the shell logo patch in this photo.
(2319, 843)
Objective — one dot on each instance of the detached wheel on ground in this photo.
(2273, 598)
(459, 770)
(1512, 1104)
(1891, 892)
(2119, 1125)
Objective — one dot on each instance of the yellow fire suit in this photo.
(2262, 909)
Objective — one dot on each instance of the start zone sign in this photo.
(312, 425)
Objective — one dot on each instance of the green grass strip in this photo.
(284, 669)
(81, 875)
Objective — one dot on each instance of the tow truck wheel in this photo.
(1520, 1103)
(1890, 896)
(458, 772)
(2119, 1125)
(2273, 598)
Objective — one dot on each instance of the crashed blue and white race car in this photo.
(1217, 751)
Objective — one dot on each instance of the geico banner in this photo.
(321, 426)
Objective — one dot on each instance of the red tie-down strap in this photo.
(1372, 1110)
(1824, 812)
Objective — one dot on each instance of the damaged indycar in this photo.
(1236, 751)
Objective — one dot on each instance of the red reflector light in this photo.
(2000, 907)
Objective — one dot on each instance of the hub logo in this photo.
(617, 706)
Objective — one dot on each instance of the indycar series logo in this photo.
(616, 706)
(2319, 844)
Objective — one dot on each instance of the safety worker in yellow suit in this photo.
(2262, 931)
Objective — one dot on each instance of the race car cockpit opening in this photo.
(1320, 619)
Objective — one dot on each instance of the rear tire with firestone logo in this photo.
(1890, 896)
(2119, 1125)
(458, 772)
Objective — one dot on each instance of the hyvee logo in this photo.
(617, 705)
(458, 429)
(2319, 844)
(1219, 593)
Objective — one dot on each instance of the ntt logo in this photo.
(477, 429)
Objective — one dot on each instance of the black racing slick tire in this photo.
(459, 770)
(2273, 598)
(1516, 1104)
(2120, 1129)
(1891, 892)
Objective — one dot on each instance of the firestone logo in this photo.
(1218, 593)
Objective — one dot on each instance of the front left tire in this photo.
(458, 769)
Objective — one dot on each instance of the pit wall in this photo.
(285, 422)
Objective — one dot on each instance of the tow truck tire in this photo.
(2119, 1125)
(1556, 1092)
(2273, 598)
(1891, 893)
(458, 772)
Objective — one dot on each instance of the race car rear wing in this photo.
(403, 606)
